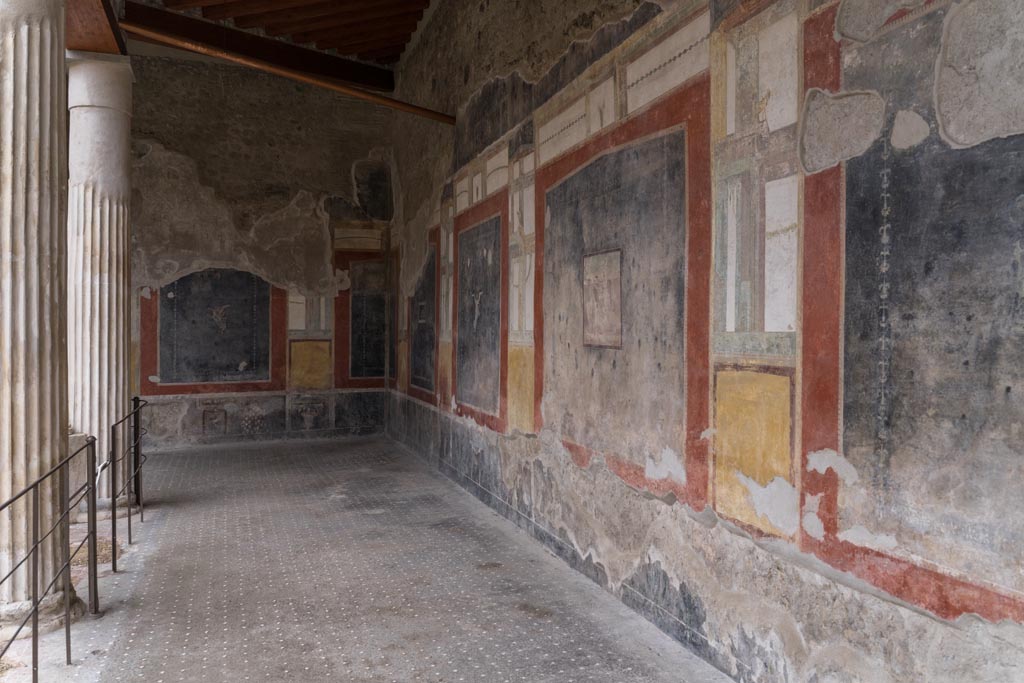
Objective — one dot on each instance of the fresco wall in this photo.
(423, 314)
(933, 325)
(762, 307)
(605, 258)
(248, 190)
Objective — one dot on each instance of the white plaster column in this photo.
(33, 260)
(99, 189)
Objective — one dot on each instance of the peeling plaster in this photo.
(861, 20)
(835, 128)
(823, 460)
(812, 522)
(979, 75)
(858, 535)
(779, 502)
(753, 589)
(669, 466)
(909, 129)
(186, 227)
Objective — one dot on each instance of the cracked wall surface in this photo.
(235, 167)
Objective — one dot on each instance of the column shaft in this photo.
(99, 166)
(33, 259)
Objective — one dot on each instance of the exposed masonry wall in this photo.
(237, 169)
(837, 504)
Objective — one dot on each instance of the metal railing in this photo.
(132, 487)
(68, 502)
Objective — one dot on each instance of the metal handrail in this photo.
(68, 501)
(133, 483)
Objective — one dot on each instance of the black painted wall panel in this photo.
(215, 327)
(626, 400)
(934, 323)
(478, 347)
(422, 312)
(368, 310)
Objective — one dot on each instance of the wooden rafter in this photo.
(240, 8)
(355, 44)
(350, 27)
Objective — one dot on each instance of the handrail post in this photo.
(137, 453)
(63, 476)
(113, 499)
(90, 466)
(35, 583)
(129, 494)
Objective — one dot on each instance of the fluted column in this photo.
(33, 259)
(99, 189)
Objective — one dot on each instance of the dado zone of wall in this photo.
(258, 213)
(724, 305)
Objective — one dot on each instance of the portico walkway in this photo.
(347, 561)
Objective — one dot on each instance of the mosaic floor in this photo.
(346, 561)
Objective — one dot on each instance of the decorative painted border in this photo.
(149, 352)
(687, 108)
(343, 327)
(822, 340)
(433, 242)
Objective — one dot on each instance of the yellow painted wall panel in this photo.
(753, 437)
(311, 366)
(520, 388)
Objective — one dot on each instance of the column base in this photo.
(103, 509)
(51, 615)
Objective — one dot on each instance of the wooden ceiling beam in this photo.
(383, 54)
(176, 30)
(355, 42)
(241, 8)
(284, 16)
(248, 45)
(335, 17)
(379, 27)
(360, 30)
(371, 26)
